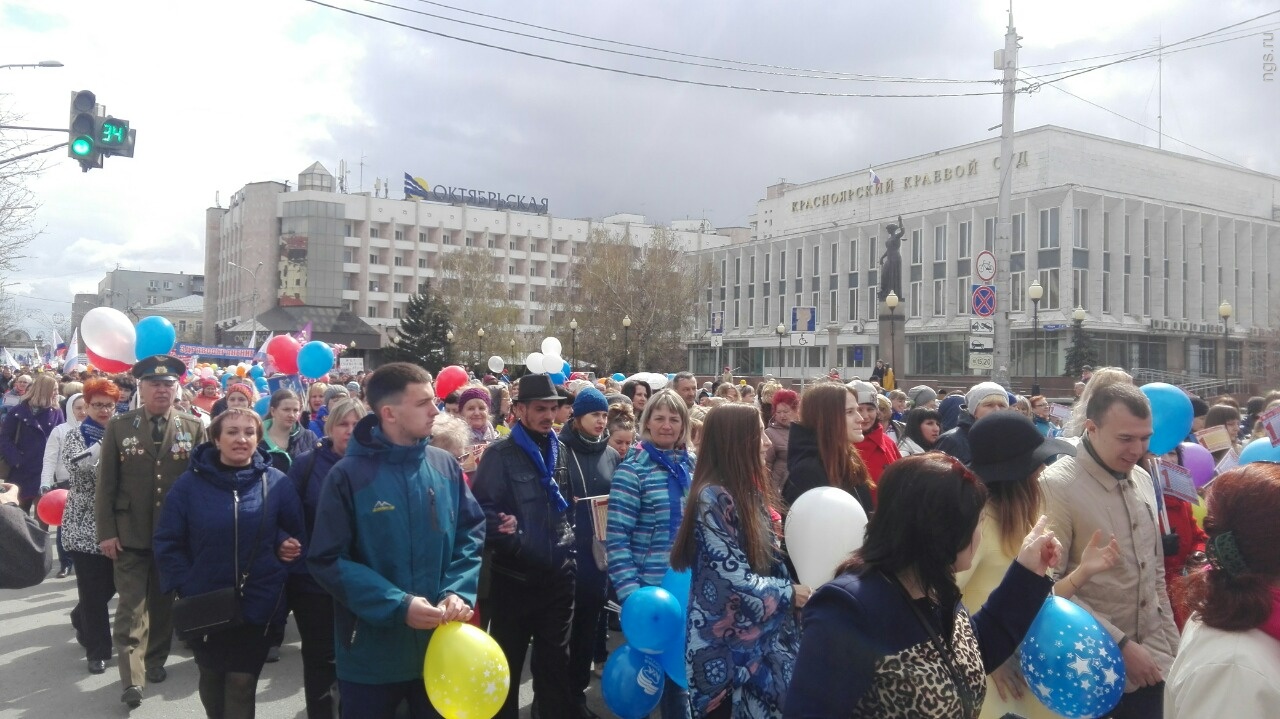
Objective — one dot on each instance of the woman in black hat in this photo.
(1008, 456)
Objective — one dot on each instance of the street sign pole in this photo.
(1008, 62)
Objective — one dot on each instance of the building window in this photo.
(799, 262)
(1106, 232)
(917, 289)
(835, 257)
(1079, 288)
(873, 301)
(966, 239)
(1106, 292)
(939, 297)
(853, 303)
(751, 269)
(395, 313)
(399, 234)
(422, 288)
(853, 257)
(817, 261)
(736, 314)
(348, 228)
(348, 256)
(168, 285)
(917, 247)
(737, 270)
(989, 234)
(182, 327)
(466, 240)
(813, 301)
(422, 263)
(1049, 228)
(1020, 232)
(1049, 281)
(373, 258)
(964, 288)
(397, 287)
(751, 313)
(446, 238)
(1080, 229)
(373, 286)
(422, 236)
(939, 243)
(1146, 237)
(1018, 291)
(372, 311)
(782, 264)
(398, 261)
(1146, 296)
(373, 233)
(767, 256)
(872, 258)
(834, 307)
(764, 313)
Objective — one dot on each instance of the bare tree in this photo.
(20, 162)
(615, 276)
(476, 296)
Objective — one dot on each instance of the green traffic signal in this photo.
(82, 146)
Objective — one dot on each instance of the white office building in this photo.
(1148, 243)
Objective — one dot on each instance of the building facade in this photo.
(132, 291)
(367, 254)
(1148, 243)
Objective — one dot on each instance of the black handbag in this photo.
(219, 610)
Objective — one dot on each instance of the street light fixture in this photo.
(480, 356)
(1035, 293)
(254, 298)
(626, 337)
(1224, 311)
(42, 63)
(781, 329)
(892, 303)
(512, 344)
(573, 357)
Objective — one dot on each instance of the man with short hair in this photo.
(981, 400)
(686, 385)
(1104, 488)
(144, 451)
(397, 542)
(522, 484)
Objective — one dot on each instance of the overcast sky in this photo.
(231, 92)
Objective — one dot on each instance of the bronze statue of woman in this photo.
(891, 261)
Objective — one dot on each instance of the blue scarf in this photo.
(546, 469)
(677, 483)
(91, 432)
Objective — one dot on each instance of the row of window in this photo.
(518, 244)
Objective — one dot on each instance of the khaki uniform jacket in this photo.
(1081, 496)
(133, 479)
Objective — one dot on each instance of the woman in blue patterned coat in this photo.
(742, 633)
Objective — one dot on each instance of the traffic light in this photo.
(82, 130)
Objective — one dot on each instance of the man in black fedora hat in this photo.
(521, 484)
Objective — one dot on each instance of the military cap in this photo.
(159, 367)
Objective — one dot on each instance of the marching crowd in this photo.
(374, 511)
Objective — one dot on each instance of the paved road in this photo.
(43, 674)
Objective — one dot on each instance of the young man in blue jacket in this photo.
(397, 542)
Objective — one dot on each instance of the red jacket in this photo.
(1191, 538)
(877, 451)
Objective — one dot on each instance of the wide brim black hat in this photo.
(537, 388)
(1006, 447)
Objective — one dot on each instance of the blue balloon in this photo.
(261, 384)
(678, 584)
(155, 336)
(256, 371)
(262, 406)
(1171, 416)
(1259, 450)
(673, 664)
(565, 369)
(631, 682)
(315, 359)
(226, 377)
(651, 619)
(1071, 664)
(558, 378)
(618, 377)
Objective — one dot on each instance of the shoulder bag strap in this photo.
(244, 578)
(947, 655)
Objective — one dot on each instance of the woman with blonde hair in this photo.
(24, 433)
(1074, 427)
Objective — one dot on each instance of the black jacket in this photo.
(805, 470)
(506, 482)
(955, 441)
(590, 466)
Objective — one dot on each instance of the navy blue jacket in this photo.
(393, 522)
(307, 475)
(195, 539)
(955, 441)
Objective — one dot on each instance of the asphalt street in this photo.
(43, 673)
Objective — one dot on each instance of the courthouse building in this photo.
(354, 259)
(1148, 243)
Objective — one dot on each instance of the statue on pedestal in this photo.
(891, 261)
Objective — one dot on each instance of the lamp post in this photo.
(573, 347)
(480, 357)
(254, 299)
(781, 329)
(892, 303)
(42, 63)
(1035, 293)
(512, 344)
(626, 337)
(1224, 311)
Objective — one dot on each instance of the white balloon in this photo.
(552, 363)
(496, 364)
(824, 526)
(533, 363)
(552, 346)
(109, 333)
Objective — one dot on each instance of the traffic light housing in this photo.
(82, 129)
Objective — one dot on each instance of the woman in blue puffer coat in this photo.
(231, 489)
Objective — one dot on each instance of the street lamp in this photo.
(573, 356)
(1224, 311)
(42, 63)
(626, 336)
(254, 299)
(480, 356)
(512, 344)
(781, 329)
(1035, 293)
(892, 303)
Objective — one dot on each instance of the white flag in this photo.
(73, 351)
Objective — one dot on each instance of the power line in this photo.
(632, 73)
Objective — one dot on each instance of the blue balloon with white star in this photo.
(1071, 663)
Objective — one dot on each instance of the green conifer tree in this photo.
(422, 337)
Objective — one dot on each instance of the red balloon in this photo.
(109, 366)
(51, 506)
(283, 351)
(449, 379)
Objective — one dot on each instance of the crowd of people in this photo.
(372, 511)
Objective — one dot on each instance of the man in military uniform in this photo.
(143, 453)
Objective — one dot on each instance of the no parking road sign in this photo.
(983, 300)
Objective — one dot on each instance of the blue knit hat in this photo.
(589, 400)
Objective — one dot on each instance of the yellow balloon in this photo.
(466, 673)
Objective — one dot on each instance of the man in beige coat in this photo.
(1103, 488)
(143, 453)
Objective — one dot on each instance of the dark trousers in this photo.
(379, 701)
(541, 610)
(1145, 703)
(143, 628)
(64, 556)
(314, 614)
(590, 592)
(95, 586)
